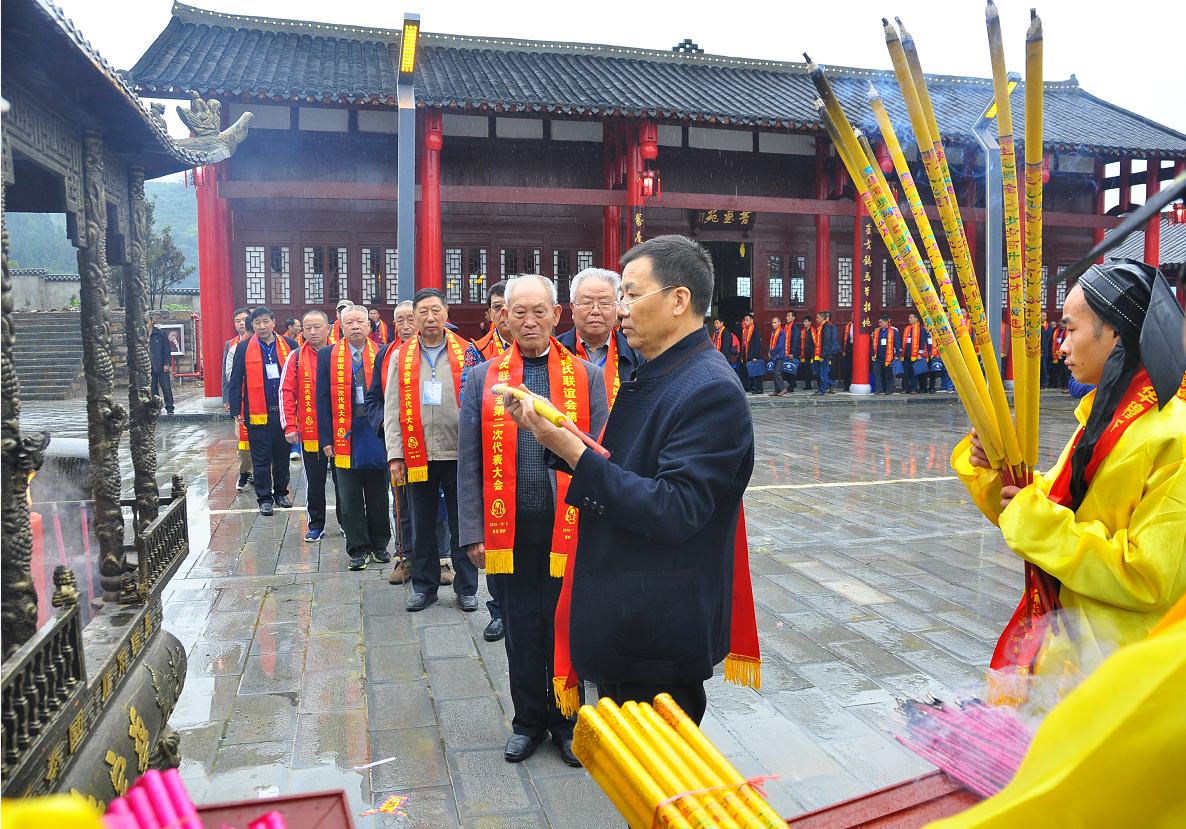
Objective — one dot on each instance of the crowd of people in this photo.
(619, 557)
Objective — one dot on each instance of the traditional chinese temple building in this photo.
(534, 156)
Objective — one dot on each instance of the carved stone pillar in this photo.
(18, 457)
(143, 408)
(105, 417)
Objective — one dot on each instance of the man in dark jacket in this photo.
(824, 348)
(161, 355)
(652, 581)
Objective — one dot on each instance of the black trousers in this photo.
(529, 597)
(687, 695)
(806, 374)
(316, 473)
(163, 380)
(909, 383)
(269, 458)
(885, 378)
(426, 555)
(846, 371)
(362, 494)
(403, 517)
(493, 584)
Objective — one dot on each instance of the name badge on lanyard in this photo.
(430, 393)
(272, 370)
(359, 394)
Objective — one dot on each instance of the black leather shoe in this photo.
(566, 754)
(284, 502)
(493, 631)
(520, 747)
(419, 601)
(265, 508)
(468, 603)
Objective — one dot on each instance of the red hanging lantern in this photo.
(649, 180)
(883, 158)
(648, 141)
(1046, 169)
(1178, 213)
(432, 131)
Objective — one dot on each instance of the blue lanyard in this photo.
(432, 358)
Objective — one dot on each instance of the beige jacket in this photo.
(440, 422)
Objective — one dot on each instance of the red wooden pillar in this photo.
(1179, 168)
(862, 303)
(430, 188)
(1097, 233)
(636, 231)
(1153, 230)
(823, 232)
(611, 215)
(215, 277)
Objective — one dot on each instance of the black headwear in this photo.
(1135, 300)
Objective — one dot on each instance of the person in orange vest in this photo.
(750, 350)
(241, 316)
(794, 342)
(883, 348)
(1058, 373)
(255, 397)
(298, 416)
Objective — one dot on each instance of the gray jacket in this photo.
(439, 422)
(471, 525)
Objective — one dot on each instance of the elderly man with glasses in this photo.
(594, 337)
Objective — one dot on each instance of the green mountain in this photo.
(38, 240)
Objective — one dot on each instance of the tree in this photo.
(166, 263)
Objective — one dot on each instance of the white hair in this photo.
(548, 284)
(350, 308)
(406, 302)
(594, 273)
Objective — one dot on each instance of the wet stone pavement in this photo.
(874, 577)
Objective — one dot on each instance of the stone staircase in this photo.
(48, 354)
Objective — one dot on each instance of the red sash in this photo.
(614, 382)
(803, 329)
(815, 343)
(743, 665)
(716, 338)
(307, 396)
(254, 363)
(335, 333)
(747, 337)
(774, 341)
(243, 442)
(410, 416)
(387, 355)
(489, 346)
(889, 344)
(1056, 339)
(341, 391)
(1020, 643)
(913, 333)
(569, 387)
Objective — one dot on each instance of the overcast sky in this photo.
(1128, 53)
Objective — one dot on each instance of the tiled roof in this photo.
(1173, 244)
(233, 55)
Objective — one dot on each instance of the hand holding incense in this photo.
(551, 414)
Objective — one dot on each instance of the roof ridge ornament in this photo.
(204, 120)
(687, 47)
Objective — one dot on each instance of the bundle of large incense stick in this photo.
(659, 769)
(964, 343)
(978, 745)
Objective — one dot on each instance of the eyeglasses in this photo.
(604, 305)
(624, 304)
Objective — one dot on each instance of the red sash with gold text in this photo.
(410, 417)
(341, 394)
(254, 363)
(612, 381)
(307, 397)
(568, 385)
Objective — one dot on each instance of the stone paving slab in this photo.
(874, 577)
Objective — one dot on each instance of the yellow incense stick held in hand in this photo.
(549, 413)
(930, 147)
(1027, 421)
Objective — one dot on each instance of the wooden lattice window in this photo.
(453, 275)
(774, 281)
(476, 275)
(391, 258)
(797, 295)
(280, 267)
(844, 282)
(257, 275)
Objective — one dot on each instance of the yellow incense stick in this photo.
(897, 240)
(615, 769)
(676, 771)
(687, 807)
(722, 768)
(701, 776)
(955, 312)
(1014, 247)
(1027, 421)
(956, 241)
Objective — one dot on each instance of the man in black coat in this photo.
(160, 353)
(652, 581)
(825, 346)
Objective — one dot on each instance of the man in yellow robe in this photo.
(1106, 527)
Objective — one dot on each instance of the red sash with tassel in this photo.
(743, 665)
(610, 370)
(1021, 642)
